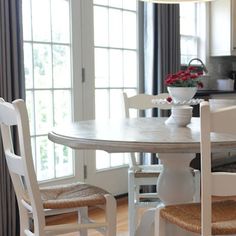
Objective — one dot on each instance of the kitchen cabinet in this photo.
(223, 28)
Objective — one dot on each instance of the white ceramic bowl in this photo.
(181, 110)
(182, 94)
(182, 120)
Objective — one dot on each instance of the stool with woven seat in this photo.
(35, 202)
(208, 217)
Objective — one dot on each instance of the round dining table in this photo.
(176, 147)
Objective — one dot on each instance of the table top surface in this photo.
(137, 135)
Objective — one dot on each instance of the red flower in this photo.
(169, 99)
(185, 78)
(200, 85)
(180, 72)
(200, 73)
(194, 76)
(192, 68)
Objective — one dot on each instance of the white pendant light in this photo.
(174, 1)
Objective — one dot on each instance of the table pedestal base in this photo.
(175, 185)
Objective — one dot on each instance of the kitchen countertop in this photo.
(209, 92)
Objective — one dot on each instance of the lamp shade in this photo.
(174, 1)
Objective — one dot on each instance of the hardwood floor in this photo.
(96, 214)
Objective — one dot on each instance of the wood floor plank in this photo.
(97, 214)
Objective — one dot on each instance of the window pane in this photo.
(43, 109)
(33, 147)
(116, 104)
(101, 67)
(100, 26)
(188, 19)
(188, 47)
(60, 21)
(130, 69)
(61, 66)
(64, 161)
(62, 106)
(42, 66)
(28, 65)
(100, 2)
(115, 28)
(45, 158)
(130, 30)
(102, 160)
(116, 159)
(30, 109)
(116, 68)
(102, 103)
(188, 30)
(41, 20)
(26, 6)
(115, 3)
(130, 4)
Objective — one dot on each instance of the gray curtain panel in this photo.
(11, 87)
(161, 45)
(161, 52)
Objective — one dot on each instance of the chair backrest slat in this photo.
(141, 101)
(15, 164)
(222, 184)
(8, 114)
(223, 120)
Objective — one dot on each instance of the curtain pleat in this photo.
(11, 87)
(161, 45)
(161, 52)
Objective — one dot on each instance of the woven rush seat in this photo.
(148, 171)
(188, 217)
(70, 196)
(143, 172)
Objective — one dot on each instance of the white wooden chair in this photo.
(140, 175)
(207, 218)
(37, 202)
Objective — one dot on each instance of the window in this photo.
(47, 53)
(59, 46)
(192, 31)
(115, 45)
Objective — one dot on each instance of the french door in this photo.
(79, 58)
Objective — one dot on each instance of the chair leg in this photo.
(159, 224)
(146, 226)
(132, 218)
(83, 218)
(24, 220)
(110, 215)
(197, 183)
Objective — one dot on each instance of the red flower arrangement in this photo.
(185, 78)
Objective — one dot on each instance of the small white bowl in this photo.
(182, 120)
(182, 110)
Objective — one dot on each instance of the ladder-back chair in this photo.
(34, 202)
(140, 175)
(208, 217)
